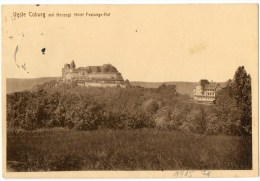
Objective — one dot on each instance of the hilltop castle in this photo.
(93, 76)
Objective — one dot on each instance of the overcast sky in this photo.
(144, 42)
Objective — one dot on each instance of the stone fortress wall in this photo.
(93, 76)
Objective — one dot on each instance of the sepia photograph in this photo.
(166, 90)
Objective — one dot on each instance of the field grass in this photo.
(144, 149)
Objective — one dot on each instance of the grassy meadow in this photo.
(141, 149)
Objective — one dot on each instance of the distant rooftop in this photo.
(208, 85)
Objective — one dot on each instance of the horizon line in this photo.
(125, 79)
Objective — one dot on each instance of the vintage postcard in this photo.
(130, 90)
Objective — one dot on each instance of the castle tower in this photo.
(72, 65)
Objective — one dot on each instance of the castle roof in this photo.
(67, 65)
(106, 68)
(95, 68)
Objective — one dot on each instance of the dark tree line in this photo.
(74, 107)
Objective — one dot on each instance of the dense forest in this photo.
(62, 105)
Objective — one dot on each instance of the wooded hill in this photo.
(17, 84)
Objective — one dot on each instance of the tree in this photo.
(242, 86)
(127, 83)
(108, 68)
(243, 98)
(161, 87)
(234, 103)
